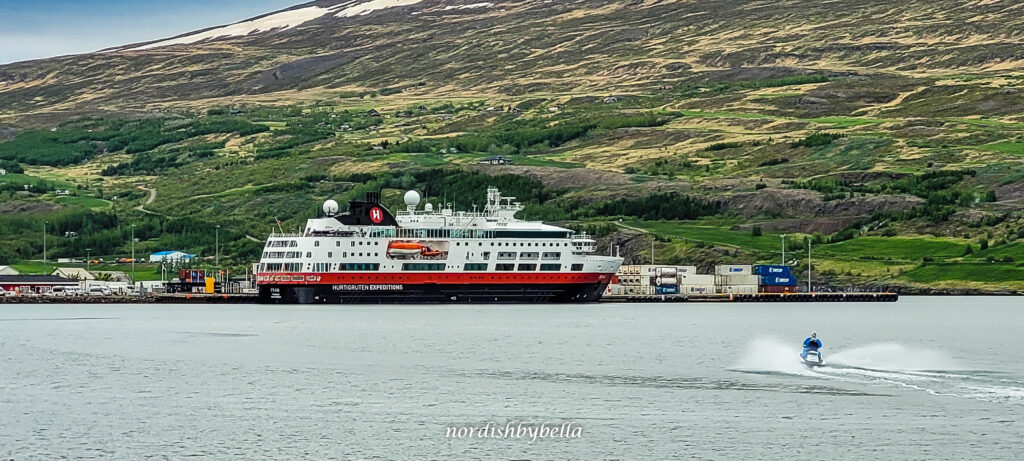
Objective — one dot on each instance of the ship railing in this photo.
(286, 234)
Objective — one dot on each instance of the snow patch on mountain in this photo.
(280, 21)
(373, 5)
(283, 20)
(471, 5)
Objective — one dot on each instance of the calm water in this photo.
(926, 378)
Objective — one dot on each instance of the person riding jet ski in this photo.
(812, 344)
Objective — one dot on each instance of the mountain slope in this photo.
(517, 47)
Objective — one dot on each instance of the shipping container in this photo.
(777, 289)
(734, 269)
(768, 269)
(665, 272)
(697, 289)
(777, 280)
(738, 289)
(666, 281)
(697, 279)
(666, 290)
(737, 280)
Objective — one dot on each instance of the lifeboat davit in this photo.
(405, 248)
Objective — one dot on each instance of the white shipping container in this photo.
(738, 279)
(696, 279)
(697, 289)
(667, 281)
(734, 269)
(738, 289)
(666, 272)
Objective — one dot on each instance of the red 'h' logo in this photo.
(376, 215)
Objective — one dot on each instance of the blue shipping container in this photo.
(775, 280)
(767, 269)
(666, 290)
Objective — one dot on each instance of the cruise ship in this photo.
(369, 255)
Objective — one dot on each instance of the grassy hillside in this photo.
(712, 128)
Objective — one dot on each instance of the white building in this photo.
(74, 273)
(8, 270)
(170, 256)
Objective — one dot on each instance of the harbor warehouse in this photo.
(34, 283)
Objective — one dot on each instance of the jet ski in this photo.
(813, 359)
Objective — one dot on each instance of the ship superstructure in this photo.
(369, 255)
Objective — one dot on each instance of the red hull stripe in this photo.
(335, 278)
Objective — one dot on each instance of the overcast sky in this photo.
(31, 29)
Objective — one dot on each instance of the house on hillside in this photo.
(611, 99)
(373, 113)
(8, 270)
(496, 160)
(3, 172)
(170, 257)
(74, 273)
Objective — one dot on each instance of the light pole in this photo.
(217, 246)
(133, 254)
(809, 266)
(44, 245)
(88, 253)
(783, 249)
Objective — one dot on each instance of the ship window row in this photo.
(281, 267)
(423, 267)
(328, 267)
(526, 244)
(475, 267)
(282, 243)
(527, 255)
(478, 233)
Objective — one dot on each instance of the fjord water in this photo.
(924, 378)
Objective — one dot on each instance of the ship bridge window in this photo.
(551, 267)
(554, 255)
(321, 267)
(528, 255)
(506, 255)
(275, 254)
(475, 267)
(527, 267)
(309, 254)
(292, 267)
(423, 267)
(577, 267)
(337, 243)
(294, 254)
(282, 243)
(504, 267)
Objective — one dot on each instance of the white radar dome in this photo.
(428, 207)
(330, 208)
(412, 198)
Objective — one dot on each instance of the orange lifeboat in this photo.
(428, 252)
(405, 248)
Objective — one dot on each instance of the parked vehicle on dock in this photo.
(99, 291)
